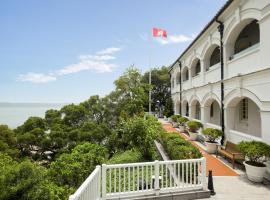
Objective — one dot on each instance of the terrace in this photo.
(170, 179)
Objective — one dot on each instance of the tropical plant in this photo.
(212, 134)
(255, 151)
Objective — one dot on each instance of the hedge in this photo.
(179, 148)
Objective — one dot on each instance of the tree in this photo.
(139, 133)
(17, 179)
(160, 90)
(72, 169)
(8, 141)
(130, 93)
(74, 115)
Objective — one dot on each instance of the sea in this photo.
(15, 114)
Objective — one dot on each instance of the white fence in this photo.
(136, 179)
(90, 189)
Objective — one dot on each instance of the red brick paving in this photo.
(212, 163)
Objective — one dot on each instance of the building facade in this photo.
(223, 77)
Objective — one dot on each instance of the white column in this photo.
(265, 126)
(205, 114)
(203, 71)
(229, 120)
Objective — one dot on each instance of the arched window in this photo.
(248, 37)
(185, 74)
(215, 57)
(196, 69)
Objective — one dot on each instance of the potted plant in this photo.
(212, 134)
(175, 120)
(193, 128)
(182, 123)
(256, 152)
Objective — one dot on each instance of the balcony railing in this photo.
(90, 189)
(138, 179)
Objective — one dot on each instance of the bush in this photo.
(129, 156)
(212, 134)
(175, 117)
(193, 126)
(255, 151)
(183, 120)
(178, 148)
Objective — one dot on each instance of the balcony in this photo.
(213, 74)
(244, 62)
(138, 180)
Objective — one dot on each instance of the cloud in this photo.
(109, 51)
(97, 62)
(175, 39)
(36, 78)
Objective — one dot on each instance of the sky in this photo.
(64, 51)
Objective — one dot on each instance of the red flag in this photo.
(158, 32)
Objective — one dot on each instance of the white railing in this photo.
(136, 179)
(90, 189)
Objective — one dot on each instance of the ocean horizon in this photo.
(15, 114)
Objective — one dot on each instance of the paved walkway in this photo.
(212, 163)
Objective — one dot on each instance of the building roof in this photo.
(213, 20)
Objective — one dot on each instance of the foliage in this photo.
(17, 179)
(130, 93)
(255, 151)
(8, 141)
(139, 133)
(129, 156)
(212, 134)
(160, 90)
(168, 109)
(178, 148)
(72, 169)
(183, 120)
(193, 126)
(175, 117)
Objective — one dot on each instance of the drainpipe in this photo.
(221, 29)
(180, 91)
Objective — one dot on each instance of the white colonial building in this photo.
(229, 61)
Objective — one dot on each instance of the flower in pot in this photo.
(182, 123)
(212, 134)
(256, 152)
(175, 120)
(193, 128)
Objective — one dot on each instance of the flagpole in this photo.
(150, 90)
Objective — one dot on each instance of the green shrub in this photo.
(255, 151)
(175, 117)
(183, 120)
(212, 134)
(129, 156)
(178, 148)
(193, 126)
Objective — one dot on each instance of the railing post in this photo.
(103, 170)
(71, 197)
(99, 181)
(157, 177)
(204, 173)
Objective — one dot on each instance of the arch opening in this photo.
(243, 115)
(185, 74)
(196, 68)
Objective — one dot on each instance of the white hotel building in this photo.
(223, 77)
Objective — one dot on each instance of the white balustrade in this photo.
(137, 179)
(90, 189)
